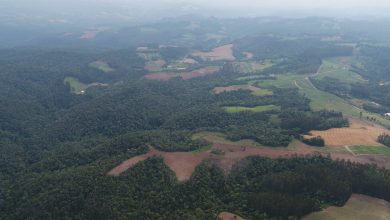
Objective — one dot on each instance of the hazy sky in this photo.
(300, 4)
(146, 10)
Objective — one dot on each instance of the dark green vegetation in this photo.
(315, 141)
(57, 146)
(171, 141)
(371, 150)
(384, 139)
(257, 189)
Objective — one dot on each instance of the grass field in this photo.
(150, 56)
(262, 92)
(215, 137)
(75, 85)
(339, 68)
(358, 207)
(282, 81)
(103, 66)
(249, 78)
(371, 150)
(262, 108)
(319, 99)
(252, 67)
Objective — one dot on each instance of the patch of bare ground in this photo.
(164, 76)
(125, 165)
(358, 133)
(92, 33)
(379, 160)
(220, 53)
(218, 90)
(155, 65)
(228, 216)
(358, 207)
(235, 153)
(188, 61)
(184, 163)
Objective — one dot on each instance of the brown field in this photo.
(359, 133)
(164, 76)
(228, 216)
(184, 163)
(188, 61)
(220, 53)
(218, 90)
(125, 165)
(358, 207)
(379, 160)
(92, 33)
(155, 65)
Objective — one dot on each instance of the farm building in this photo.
(387, 115)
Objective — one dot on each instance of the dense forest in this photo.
(258, 188)
(57, 145)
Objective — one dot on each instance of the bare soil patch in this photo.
(92, 33)
(379, 160)
(184, 163)
(125, 165)
(235, 153)
(220, 53)
(188, 61)
(228, 216)
(358, 207)
(164, 76)
(218, 90)
(155, 65)
(359, 133)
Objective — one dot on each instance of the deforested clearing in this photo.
(358, 207)
(164, 76)
(101, 65)
(184, 163)
(220, 53)
(218, 90)
(261, 108)
(358, 133)
(156, 65)
(228, 216)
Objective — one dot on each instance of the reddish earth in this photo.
(218, 90)
(165, 76)
(155, 65)
(380, 160)
(90, 34)
(358, 207)
(228, 216)
(184, 163)
(132, 162)
(220, 53)
(359, 133)
(188, 61)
